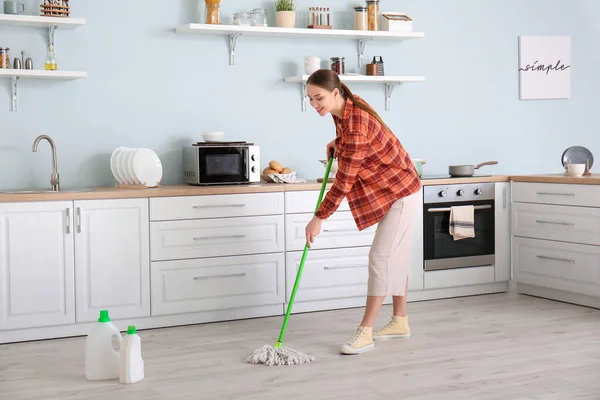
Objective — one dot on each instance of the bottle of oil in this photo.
(51, 60)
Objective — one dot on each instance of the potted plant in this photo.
(285, 13)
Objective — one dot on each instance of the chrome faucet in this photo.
(54, 180)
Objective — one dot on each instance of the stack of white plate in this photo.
(136, 167)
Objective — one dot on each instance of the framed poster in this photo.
(544, 67)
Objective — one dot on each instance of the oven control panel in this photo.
(459, 192)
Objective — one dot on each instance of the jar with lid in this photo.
(373, 15)
(338, 65)
(212, 12)
(242, 18)
(259, 17)
(4, 57)
(360, 18)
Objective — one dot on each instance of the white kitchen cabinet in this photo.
(220, 283)
(197, 238)
(36, 264)
(112, 258)
(502, 232)
(416, 281)
(564, 266)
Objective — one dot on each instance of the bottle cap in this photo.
(104, 316)
(131, 330)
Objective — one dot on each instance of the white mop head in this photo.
(271, 355)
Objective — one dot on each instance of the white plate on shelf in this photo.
(147, 167)
(126, 179)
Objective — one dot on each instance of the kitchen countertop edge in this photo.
(106, 193)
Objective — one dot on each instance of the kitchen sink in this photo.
(30, 191)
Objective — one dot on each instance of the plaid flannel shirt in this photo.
(374, 169)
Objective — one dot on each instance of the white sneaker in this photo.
(359, 343)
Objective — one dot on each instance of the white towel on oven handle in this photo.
(462, 222)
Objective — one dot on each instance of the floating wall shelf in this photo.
(388, 81)
(50, 23)
(33, 21)
(235, 31)
(16, 74)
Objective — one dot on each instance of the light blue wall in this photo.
(150, 87)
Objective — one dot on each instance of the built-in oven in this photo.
(441, 250)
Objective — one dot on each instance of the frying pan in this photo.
(467, 170)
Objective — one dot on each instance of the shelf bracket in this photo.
(361, 50)
(15, 104)
(51, 30)
(232, 41)
(389, 88)
(303, 96)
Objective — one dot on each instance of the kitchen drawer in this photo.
(173, 240)
(306, 201)
(556, 193)
(564, 266)
(457, 277)
(215, 206)
(562, 223)
(217, 283)
(328, 274)
(339, 230)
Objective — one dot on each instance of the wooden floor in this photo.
(504, 347)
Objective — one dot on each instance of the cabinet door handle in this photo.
(330, 267)
(68, 220)
(504, 198)
(557, 259)
(202, 278)
(219, 206)
(78, 219)
(339, 230)
(555, 223)
(219, 237)
(556, 194)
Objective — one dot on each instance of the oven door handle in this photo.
(446, 209)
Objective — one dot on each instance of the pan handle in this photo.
(486, 163)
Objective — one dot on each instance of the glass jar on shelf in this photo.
(360, 18)
(242, 19)
(212, 12)
(259, 17)
(50, 64)
(373, 15)
(338, 65)
(4, 57)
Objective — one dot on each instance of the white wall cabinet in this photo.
(112, 258)
(36, 265)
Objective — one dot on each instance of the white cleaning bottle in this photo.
(101, 359)
(132, 364)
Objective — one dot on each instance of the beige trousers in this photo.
(390, 255)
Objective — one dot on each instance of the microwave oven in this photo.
(220, 163)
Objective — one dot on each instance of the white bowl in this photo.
(334, 166)
(575, 169)
(213, 136)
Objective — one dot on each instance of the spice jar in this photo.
(360, 18)
(212, 11)
(338, 65)
(242, 18)
(259, 17)
(4, 57)
(373, 15)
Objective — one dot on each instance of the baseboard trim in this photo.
(57, 332)
(559, 295)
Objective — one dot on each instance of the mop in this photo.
(278, 354)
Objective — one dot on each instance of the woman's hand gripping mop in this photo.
(278, 354)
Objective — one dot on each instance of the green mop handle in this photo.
(301, 267)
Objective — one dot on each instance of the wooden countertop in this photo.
(593, 179)
(101, 193)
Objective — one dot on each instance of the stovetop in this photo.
(441, 176)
